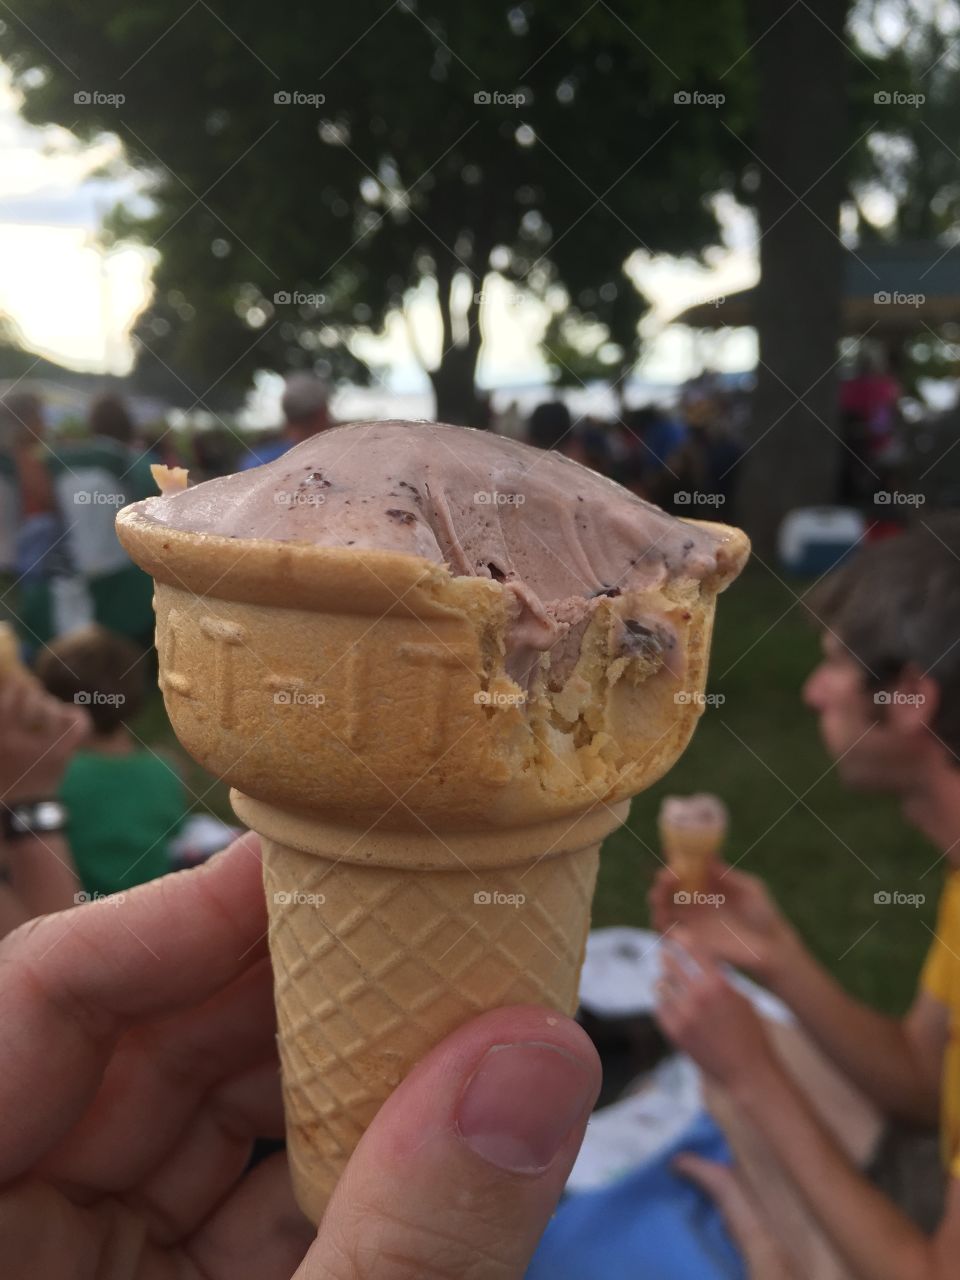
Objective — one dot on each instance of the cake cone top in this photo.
(698, 811)
(499, 635)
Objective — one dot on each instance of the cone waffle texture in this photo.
(373, 966)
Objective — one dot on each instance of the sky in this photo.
(75, 303)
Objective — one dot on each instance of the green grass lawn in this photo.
(824, 856)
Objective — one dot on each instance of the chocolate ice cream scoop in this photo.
(697, 812)
(558, 537)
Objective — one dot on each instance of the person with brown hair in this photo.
(126, 802)
(887, 694)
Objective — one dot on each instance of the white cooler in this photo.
(814, 539)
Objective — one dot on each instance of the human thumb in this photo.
(463, 1165)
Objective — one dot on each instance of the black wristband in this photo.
(35, 818)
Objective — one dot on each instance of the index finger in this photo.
(72, 982)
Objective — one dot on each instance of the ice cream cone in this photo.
(692, 831)
(373, 964)
(10, 661)
(407, 790)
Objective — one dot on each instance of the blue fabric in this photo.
(267, 452)
(651, 1225)
(662, 438)
(41, 549)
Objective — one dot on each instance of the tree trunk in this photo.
(455, 395)
(794, 454)
(454, 380)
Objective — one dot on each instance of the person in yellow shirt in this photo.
(887, 695)
(941, 981)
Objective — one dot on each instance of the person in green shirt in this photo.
(91, 579)
(126, 803)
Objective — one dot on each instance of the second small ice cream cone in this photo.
(10, 660)
(692, 832)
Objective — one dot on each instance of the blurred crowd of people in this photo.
(670, 455)
(83, 611)
(58, 501)
(59, 494)
(872, 428)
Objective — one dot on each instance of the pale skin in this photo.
(152, 1046)
(38, 737)
(757, 1242)
(895, 1063)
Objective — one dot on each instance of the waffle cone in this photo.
(374, 964)
(689, 853)
(10, 660)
